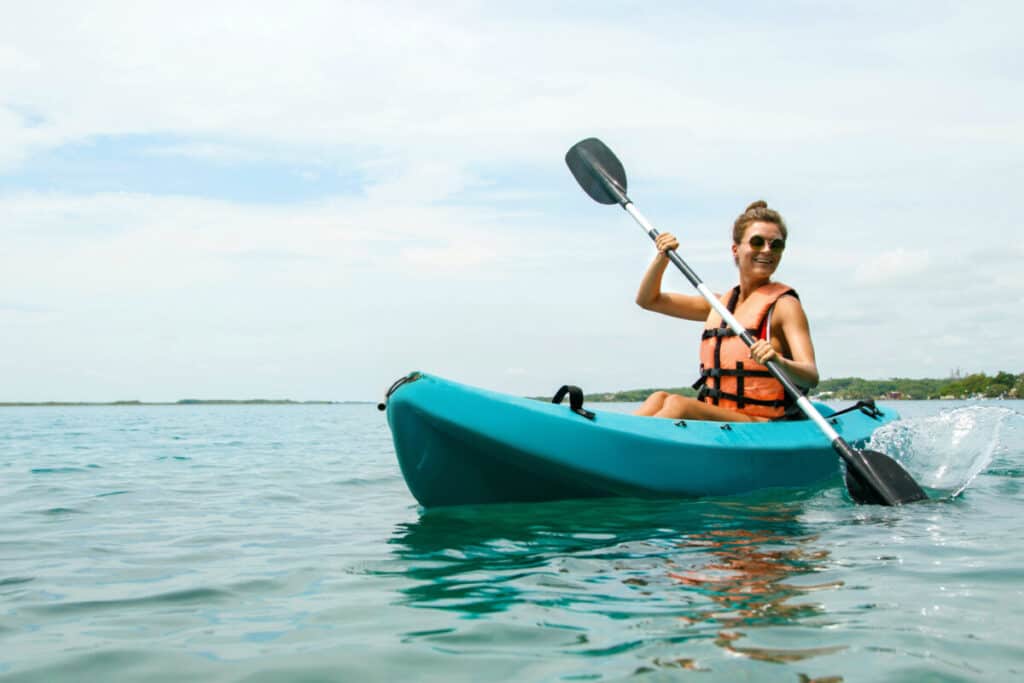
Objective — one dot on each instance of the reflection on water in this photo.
(671, 574)
(745, 579)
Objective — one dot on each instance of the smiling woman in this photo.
(735, 383)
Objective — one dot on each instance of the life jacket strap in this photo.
(705, 392)
(716, 332)
(739, 371)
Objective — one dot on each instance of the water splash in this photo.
(945, 452)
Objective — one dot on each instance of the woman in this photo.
(735, 384)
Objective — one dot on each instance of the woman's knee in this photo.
(652, 404)
(676, 406)
(677, 401)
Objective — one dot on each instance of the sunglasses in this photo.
(775, 245)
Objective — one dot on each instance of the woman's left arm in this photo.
(790, 323)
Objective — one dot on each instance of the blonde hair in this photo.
(757, 211)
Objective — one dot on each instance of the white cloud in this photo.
(891, 267)
(400, 79)
(418, 182)
(876, 129)
(219, 153)
(102, 243)
(445, 258)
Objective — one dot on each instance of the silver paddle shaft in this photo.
(802, 401)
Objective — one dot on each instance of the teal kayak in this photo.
(461, 445)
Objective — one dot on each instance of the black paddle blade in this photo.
(598, 171)
(900, 486)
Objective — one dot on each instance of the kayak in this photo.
(462, 445)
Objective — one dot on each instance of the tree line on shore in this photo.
(978, 385)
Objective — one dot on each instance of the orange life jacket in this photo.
(729, 377)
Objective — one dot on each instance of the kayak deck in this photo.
(459, 445)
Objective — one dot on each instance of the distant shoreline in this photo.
(182, 402)
(1003, 385)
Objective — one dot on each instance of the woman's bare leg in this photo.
(653, 404)
(680, 407)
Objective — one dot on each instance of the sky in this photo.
(308, 200)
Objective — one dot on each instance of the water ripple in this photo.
(201, 596)
(268, 543)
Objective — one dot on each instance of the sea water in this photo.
(279, 543)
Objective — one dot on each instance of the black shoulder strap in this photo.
(575, 400)
(734, 298)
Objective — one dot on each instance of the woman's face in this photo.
(761, 260)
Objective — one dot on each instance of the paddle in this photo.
(871, 477)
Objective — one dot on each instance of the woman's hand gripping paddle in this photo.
(871, 477)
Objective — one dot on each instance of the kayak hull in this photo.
(461, 445)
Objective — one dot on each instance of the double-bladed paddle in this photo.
(871, 477)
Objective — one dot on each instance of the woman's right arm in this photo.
(650, 296)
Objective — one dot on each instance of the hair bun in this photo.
(757, 211)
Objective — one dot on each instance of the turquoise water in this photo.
(279, 543)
